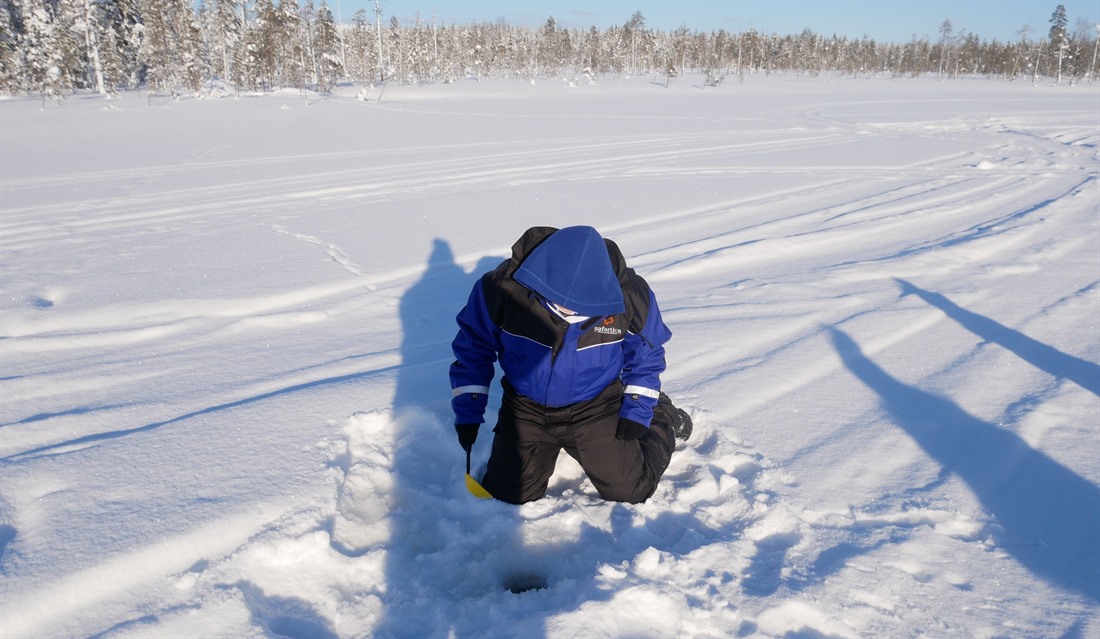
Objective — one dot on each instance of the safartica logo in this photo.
(607, 327)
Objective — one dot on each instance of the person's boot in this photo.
(676, 418)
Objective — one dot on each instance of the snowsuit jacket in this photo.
(547, 359)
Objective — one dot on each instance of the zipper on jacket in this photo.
(561, 327)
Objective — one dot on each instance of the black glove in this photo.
(467, 435)
(629, 430)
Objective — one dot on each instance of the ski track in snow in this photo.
(224, 370)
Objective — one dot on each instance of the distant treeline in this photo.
(57, 47)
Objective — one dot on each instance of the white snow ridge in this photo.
(225, 330)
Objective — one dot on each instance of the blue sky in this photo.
(882, 20)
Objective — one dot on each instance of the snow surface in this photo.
(226, 329)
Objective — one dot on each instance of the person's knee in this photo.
(514, 489)
(629, 494)
(514, 497)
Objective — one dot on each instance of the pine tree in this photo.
(548, 58)
(90, 26)
(261, 47)
(124, 29)
(72, 62)
(361, 63)
(327, 45)
(11, 62)
(303, 34)
(292, 51)
(41, 45)
(158, 51)
(394, 49)
(115, 73)
(1059, 37)
(221, 26)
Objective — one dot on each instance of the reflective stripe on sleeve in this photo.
(470, 389)
(643, 391)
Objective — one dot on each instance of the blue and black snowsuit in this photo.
(580, 340)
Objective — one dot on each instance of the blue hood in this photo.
(572, 269)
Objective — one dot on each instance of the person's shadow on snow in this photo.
(449, 554)
(451, 559)
(424, 521)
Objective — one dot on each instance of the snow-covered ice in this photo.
(226, 324)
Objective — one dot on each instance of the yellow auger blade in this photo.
(476, 489)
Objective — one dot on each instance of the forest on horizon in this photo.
(59, 47)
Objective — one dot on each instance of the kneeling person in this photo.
(580, 340)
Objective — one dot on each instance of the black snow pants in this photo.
(529, 436)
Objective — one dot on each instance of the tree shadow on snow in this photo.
(1050, 515)
(1081, 372)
